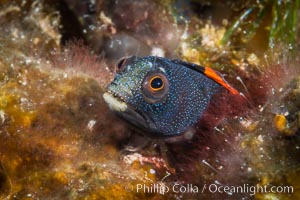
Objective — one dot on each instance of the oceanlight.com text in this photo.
(212, 188)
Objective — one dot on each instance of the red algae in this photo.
(59, 140)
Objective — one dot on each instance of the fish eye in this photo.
(156, 83)
(121, 64)
(155, 87)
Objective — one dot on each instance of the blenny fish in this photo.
(163, 97)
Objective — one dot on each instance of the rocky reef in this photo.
(59, 140)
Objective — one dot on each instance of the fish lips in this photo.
(121, 108)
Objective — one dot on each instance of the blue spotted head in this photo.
(162, 97)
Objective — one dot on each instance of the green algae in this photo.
(282, 26)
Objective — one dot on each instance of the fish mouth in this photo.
(121, 108)
(115, 102)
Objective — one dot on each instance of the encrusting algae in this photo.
(59, 140)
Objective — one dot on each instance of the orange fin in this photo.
(219, 79)
(210, 73)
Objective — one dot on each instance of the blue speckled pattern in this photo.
(189, 95)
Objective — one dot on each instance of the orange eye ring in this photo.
(155, 87)
(156, 83)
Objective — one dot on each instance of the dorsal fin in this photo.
(210, 73)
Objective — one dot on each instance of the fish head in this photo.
(160, 97)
